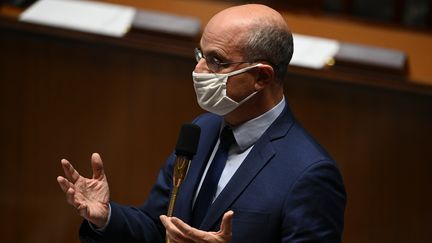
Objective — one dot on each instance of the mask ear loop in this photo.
(248, 97)
(233, 73)
(239, 72)
(242, 71)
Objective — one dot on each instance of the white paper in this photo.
(88, 16)
(313, 52)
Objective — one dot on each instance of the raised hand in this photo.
(89, 196)
(179, 232)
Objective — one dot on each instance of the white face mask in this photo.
(210, 89)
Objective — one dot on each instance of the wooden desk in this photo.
(68, 94)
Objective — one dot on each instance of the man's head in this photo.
(240, 37)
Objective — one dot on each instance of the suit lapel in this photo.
(258, 157)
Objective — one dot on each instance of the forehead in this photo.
(223, 36)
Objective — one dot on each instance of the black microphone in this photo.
(187, 144)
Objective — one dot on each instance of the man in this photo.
(276, 183)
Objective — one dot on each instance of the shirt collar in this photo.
(249, 132)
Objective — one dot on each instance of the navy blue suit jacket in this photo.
(287, 189)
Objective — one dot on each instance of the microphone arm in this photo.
(181, 167)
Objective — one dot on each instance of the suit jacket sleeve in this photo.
(315, 206)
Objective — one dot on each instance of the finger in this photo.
(97, 166)
(172, 232)
(71, 174)
(64, 183)
(188, 231)
(226, 225)
(70, 198)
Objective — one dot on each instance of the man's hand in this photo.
(179, 232)
(89, 196)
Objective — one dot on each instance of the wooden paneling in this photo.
(63, 98)
(381, 141)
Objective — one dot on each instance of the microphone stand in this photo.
(181, 167)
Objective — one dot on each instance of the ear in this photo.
(264, 77)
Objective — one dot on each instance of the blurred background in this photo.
(67, 93)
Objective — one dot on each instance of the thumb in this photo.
(226, 225)
(97, 166)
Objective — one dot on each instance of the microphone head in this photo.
(187, 142)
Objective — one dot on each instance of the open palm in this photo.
(89, 196)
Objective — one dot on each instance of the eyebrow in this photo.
(215, 53)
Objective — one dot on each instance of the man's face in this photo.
(222, 42)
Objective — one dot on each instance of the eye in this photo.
(215, 60)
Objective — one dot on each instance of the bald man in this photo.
(275, 182)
